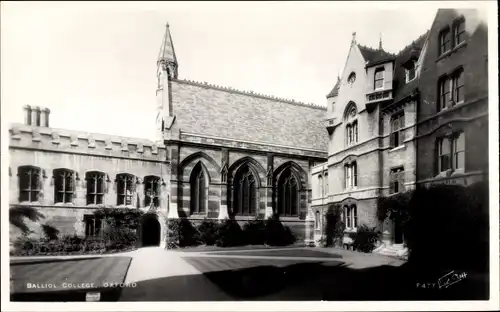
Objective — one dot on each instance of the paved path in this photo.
(162, 275)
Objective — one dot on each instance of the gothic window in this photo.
(93, 225)
(125, 188)
(317, 221)
(245, 192)
(320, 186)
(30, 183)
(444, 41)
(95, 187)
(397, 125)
(396, 179)
(198, 186)
(379, 78)
(288, 194)
(326, 184)
(152, 191)
(64, 185)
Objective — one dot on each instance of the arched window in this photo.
(64, 186)
(152, 191)
(198, 185)
(351, 122)
(245, 192)
(288, 194)
(95, 187)
(125, 189)
(317, 221)
(30, 183)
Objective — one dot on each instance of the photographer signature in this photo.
(445, 281)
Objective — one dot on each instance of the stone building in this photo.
(219, 153)
(453, 114)
(400, 121)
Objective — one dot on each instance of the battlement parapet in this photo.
(70, 141)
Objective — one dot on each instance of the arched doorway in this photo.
(150, 231)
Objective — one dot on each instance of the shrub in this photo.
(229, 234)
(182, 233)
(366, 238)
(255, 232)
(276, 234)
(208, 232)
(333, 231)
(50, 232)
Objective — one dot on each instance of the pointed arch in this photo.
(245, 185)
(199, 181)
(257, 169)
(350, 110)
(187, 164)
(296, 170)
(290, 180)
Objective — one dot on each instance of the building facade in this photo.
(396, 122)
(219, 153)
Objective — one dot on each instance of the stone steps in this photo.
(393, 250)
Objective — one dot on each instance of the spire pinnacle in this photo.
(353, 38)
(380, 42)
(167, 57)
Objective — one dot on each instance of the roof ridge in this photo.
(250, 93)
(413, 42)
(374, 49)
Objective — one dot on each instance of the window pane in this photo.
(379, 84)
(34, 196)
(59, 182)
(379, 74)
(24, 196)
(91, 184)
(459, 160)
(90, 199)
(460, 142)
(444, 146)
(69, 182)
(35, 179)
(445, 162)
(24, 180)
(99, 199)
(68, 197)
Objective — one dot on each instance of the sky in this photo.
(94, 64)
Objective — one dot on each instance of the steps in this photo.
(395, 250)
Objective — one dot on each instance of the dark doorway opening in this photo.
(398, 233)
(151, 232)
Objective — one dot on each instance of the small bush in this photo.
(366, 238)
(229, 234)
(255, 232)
(182, 233)
(276, 234)
(333, 231)
(208, 232)
(50, 232)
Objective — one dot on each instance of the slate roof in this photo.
(375, 56)
(400, 87)
(335, 90)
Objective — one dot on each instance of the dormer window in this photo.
(410, 72)
(379, 78)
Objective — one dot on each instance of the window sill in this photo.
(64, 204)
(452, 50)
(350, 230)
(397, 148)
(125, 206)
(28, 203)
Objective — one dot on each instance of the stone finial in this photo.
(154, 149)
(140, 148)
(55, 137)
(91, 141)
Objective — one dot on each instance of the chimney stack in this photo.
(36, 116)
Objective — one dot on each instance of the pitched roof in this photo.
(400, 87)
(375, 56)
(335, 90)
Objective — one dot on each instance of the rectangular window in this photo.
(410, 73)
(397, 125)
(459, 32)
(29, 183)
(458, 87)
(351, 175)
(444, 92)
(379, 78)
(444, 41)
(444, 153)
(125, 183)
(152, 191)
(396, 180)
(326, 184)
(63, 186)
(95, 187)
(459, 151)
(348, 217)
(93, 225)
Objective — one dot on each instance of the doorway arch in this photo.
(151, 231)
